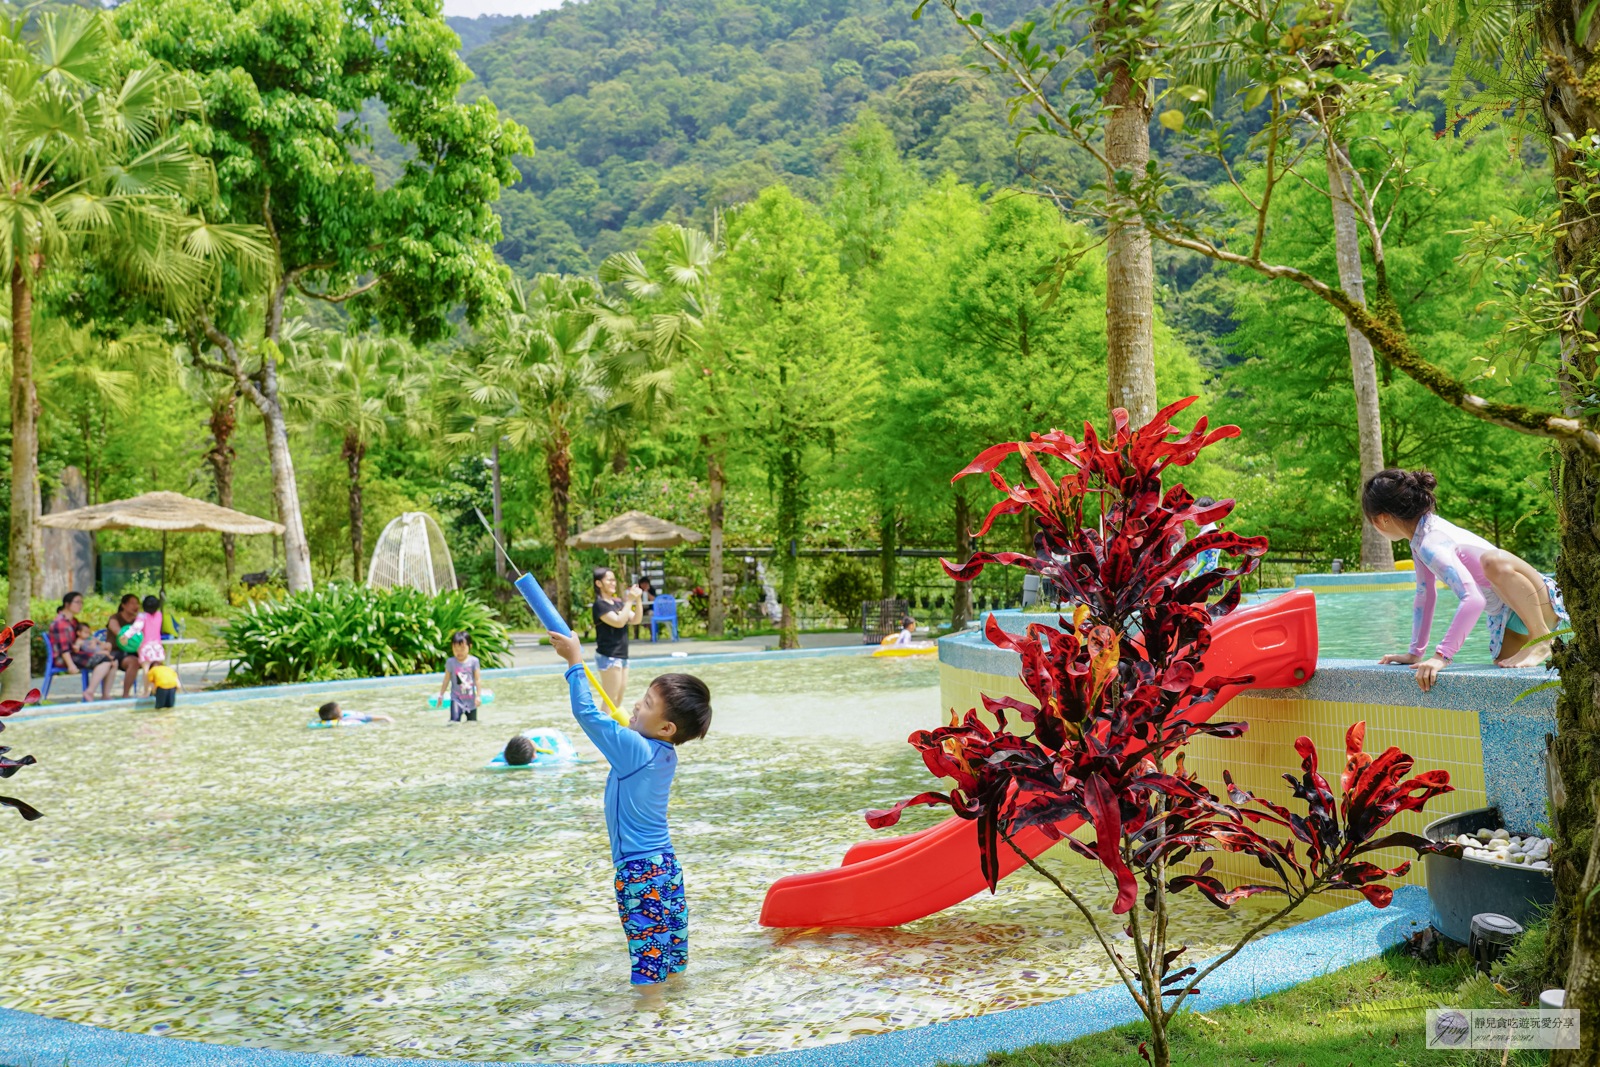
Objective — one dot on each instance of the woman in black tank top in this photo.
(612, 616)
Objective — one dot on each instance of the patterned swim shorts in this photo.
(654, 916)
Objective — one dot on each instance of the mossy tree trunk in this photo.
(558, 468)
(962, 610)
(716, 605)
(1571, 104)
(887, 542)
(789, 473)
(1130, 270)
(224, 420)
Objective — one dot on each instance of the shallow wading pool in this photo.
(221, 873)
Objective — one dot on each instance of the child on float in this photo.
(1521, 606)
(332, 712)
(643, 757)
(461, 678)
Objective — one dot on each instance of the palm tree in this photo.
(679, 312)
(363, 389)
(87, 164)
(536, 383)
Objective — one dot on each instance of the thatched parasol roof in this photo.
(168, 512)
(634, 529)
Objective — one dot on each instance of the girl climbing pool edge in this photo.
(1522, 606)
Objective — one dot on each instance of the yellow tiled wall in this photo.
(1437, 739)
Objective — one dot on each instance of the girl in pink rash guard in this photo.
(1520, 605)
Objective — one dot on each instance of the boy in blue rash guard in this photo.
(643, 757)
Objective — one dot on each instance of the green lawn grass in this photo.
(1302, 1027)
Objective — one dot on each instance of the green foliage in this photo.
(279, 82)
(800, 366)
(845, 585)
(992, 318)
(1289, 382)
(697, 106)
(370, 632)
(195, 597)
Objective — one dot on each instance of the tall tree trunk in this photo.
(961, 613)
(1130, 271)
(886, 546)
(789, 473)
(499, 514)
(619, 458)
(224, 420)
(286, 494)
(716, 608)
(262, 389)
(354, 452)
(558, 466)
(36, 502)
(1572, 110)
(1377, 553)
(18, 680)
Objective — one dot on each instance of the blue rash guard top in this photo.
(640, 778)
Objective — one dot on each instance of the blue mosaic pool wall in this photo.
(1511, 732)
(1276, 962)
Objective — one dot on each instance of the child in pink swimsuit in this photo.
(151, 649)
(1490, 581)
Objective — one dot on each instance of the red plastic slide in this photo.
(895, 880)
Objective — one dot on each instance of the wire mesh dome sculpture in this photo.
(412, 551)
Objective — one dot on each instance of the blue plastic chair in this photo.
(664, 611)
(51, 670)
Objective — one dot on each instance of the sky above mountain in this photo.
(474, 8)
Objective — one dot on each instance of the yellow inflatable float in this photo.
(916, 648)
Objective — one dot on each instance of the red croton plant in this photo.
(9, 766)
(1116, 690)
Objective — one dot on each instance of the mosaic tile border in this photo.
(1274, 963)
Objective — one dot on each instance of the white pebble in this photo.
(1484, 835)
(1540, 865)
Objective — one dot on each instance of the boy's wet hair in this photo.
(152, 604)
(687, 702)
(461, 637)
(1404, 494)
(329, 711)
(519, 752)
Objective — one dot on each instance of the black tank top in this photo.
(610, 641)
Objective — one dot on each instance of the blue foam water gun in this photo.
(547, 614)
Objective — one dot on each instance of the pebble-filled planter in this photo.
(1494, 875)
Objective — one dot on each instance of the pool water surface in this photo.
(1370, 625)
(221, 873)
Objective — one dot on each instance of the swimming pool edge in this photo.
(1269, 965)
(350, 685)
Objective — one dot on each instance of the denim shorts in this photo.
(605, 663)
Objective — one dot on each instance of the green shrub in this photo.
(846, 586)
(350, 631)
(197, 597)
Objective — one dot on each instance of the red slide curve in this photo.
(894, 880)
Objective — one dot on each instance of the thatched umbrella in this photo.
(633, 529)
(167, 512)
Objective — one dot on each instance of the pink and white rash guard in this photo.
(1455, 556)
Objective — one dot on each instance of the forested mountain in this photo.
(645, 111)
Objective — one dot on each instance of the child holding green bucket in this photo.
(643, 757)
